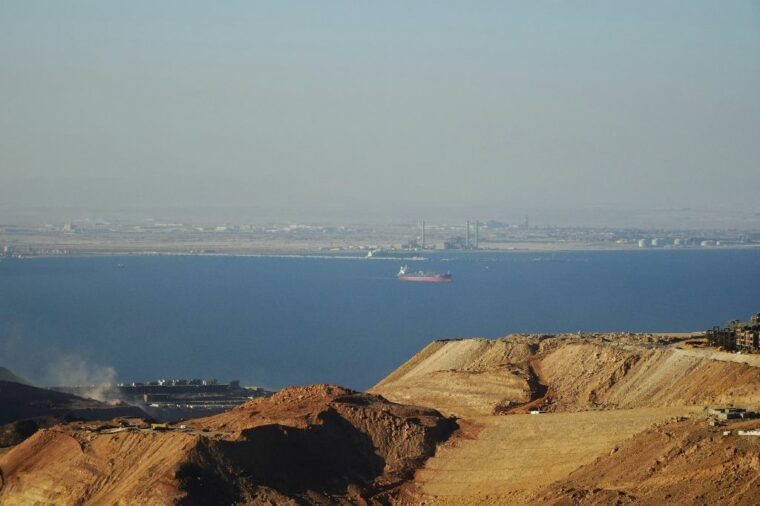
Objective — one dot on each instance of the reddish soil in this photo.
(319, 445)
(682, 462)
(623, 422)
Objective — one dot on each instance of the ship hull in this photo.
(426, 279)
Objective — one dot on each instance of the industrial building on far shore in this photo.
(172, 399)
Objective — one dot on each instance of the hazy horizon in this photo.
(360, 110)
(707, 218)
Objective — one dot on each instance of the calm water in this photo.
(280, 321)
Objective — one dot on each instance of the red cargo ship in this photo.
(425, 277)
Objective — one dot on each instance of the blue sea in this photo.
(277, 321)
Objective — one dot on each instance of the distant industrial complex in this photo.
(171, 399)
(156, 237)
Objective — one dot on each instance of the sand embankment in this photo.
(597, 393)
(473, 377)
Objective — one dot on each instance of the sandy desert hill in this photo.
(603, 400)
(527, 419)
(312, 445)
(567, 373)
(679, 462)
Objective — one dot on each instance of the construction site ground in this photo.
(591, 395)
(506, 459)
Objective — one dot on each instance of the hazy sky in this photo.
(379, 106)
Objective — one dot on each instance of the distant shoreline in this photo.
(362, 254)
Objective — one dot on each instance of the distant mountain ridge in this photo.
(24, 408)
(20, 402)
(7, 375)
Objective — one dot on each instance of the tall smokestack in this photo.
(423, 234)
(467, 236)
(477, 234)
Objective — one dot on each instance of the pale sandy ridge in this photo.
(514, 456)
(599, 390)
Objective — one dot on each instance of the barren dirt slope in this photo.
(591, 375)
(465, 377)
(597, 392)
(682, 462)
(61, 466)
(317, 445)
(472, 377)
(509, 458)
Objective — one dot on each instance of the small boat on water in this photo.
(422, 276)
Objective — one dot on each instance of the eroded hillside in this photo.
(320, 444)
(464, 376)
(599, 436)
(472, 377)
(615, 418)
(683, 461)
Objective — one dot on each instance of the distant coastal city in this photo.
(98, 237)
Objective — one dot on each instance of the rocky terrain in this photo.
(681, 462)
(527, 419)
(312, 445)
(621, 420)
(471, 377)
